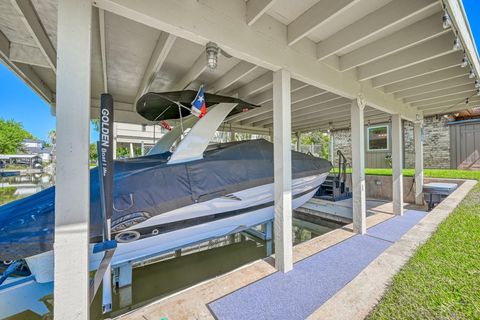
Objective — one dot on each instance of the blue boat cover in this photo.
(148, 186)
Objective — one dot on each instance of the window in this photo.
(378, 138)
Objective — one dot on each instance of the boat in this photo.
(182, 192)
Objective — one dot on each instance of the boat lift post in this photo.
(105, 171)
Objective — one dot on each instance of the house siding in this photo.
(436, 146)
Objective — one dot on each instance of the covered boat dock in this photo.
(311, 65)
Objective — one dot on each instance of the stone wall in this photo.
(342, 141)
(436, 146)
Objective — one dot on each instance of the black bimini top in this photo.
(159, 106)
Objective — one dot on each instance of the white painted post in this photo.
(132, 153)
(142, 148)
(282, 170)
(358, 167)
(72, 194)
(298, 135)
(397, 165)
(418, 162)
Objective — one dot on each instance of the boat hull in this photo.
(224, 215)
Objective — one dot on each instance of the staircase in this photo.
(335, 186)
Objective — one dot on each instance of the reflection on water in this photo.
(22, 185)
(151, 282)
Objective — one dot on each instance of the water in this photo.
(157, 280)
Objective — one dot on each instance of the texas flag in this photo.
(199, 107)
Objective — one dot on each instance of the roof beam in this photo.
(28, 55)
(24, 71)
(198, 67)
(263, 44)
(371, 25)
(434, 77)
(439, 63)
(345, 116)
(440, 93)
(235, 74)
(405, 38)
(103, 54)
(320, 13)
(445, 84)
(257, 8)
(452, 107)
(265, 100)
(162, 48)
(450, 104)
(338, 125)
(325, 108)
(296, 97)
(33, 24)
(323, 101)
(425, 51)
(450, 98)
(258, 85)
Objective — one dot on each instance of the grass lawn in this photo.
(431, 173)
(442, 279)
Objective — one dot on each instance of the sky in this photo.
(20, 103)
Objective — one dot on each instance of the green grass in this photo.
(7, 194)
(431, 173)
(442, 279)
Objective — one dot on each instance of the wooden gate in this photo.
(465, 145)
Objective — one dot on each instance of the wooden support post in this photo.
(282, 170)
(72, 194)
(358, 166)
(418, 162)
(397, 165)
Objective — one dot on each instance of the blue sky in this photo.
(19, 102)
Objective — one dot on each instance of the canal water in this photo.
(174, 272)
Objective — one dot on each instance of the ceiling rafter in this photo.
(35, 27)
(162, 48)
(386, 17)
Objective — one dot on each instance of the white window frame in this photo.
(388, 138)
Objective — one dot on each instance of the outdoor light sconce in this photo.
(212, 50)
(446, 21)
(457, 45)
(464, 61)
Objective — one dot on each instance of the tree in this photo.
(12, 134)
(93, 151)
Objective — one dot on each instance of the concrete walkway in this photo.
(354, 301)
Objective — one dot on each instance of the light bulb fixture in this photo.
(477, 84)
(478, 92)
(471, 75)
(464, 61)
(212, 51)
(457, 45)
(446, 21)
(368, 123)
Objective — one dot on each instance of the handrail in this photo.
(342, 166)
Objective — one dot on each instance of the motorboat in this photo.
(184, 191)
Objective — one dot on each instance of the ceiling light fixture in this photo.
(477, 84)
(212, 51)
(457, 45)
(471, 75)
(464, 61)
(446, 21)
